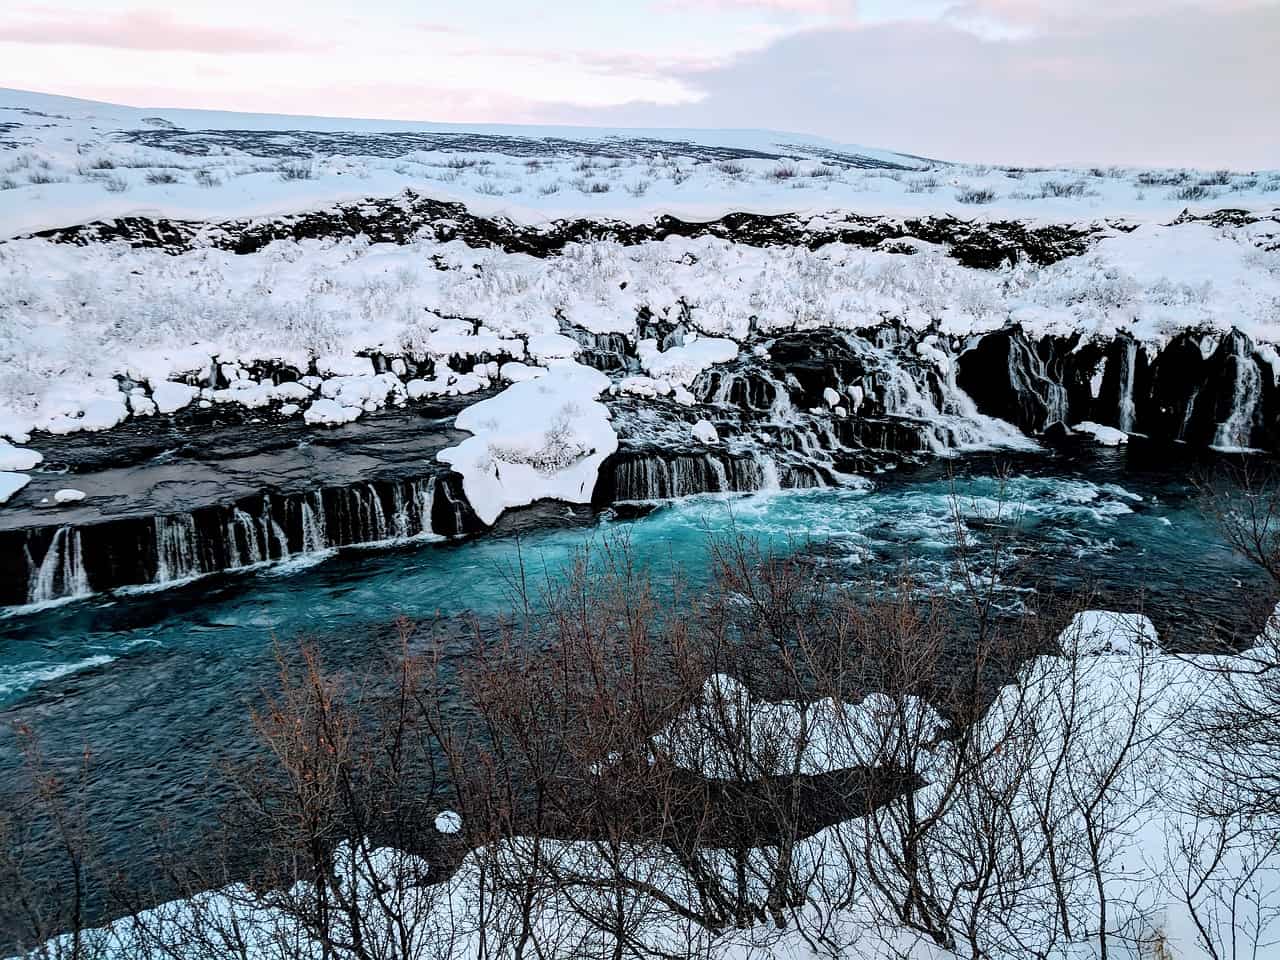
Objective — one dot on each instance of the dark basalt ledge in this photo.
(220, 489)
(410, 216)
(1224, 397)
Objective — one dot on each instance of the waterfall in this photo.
(768, 468)
(315, 536)
(176, 548)
(958, 424)
(223, 537)
(247, 530)
(61, 574)
(1128, 367)
(1236, 432)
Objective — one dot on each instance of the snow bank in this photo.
(1102, 631)
(682, 364)
(17, 459)
(541, 438)
(11, 483)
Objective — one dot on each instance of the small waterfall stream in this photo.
(265, 528)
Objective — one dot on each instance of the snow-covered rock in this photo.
(330, 413)
(170, 397)
(68, 495)
(831, 396)
(18, 458)
(1102, 434)
(683, 364)
(543, 438)
(516, 372)
(1103, 631)
(553, 346)
(448, 822)
(704, 431)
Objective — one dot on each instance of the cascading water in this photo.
(237, 536)
(1236, 432)
(314, 535)
(176, 548)
(61, 574)
(1125, 416)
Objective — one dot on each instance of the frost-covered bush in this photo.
(299, 170)
(1194, 191)
(975, 195)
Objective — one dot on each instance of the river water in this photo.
(156, 685)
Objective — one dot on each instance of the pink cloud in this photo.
(145, 30)
(840, 8)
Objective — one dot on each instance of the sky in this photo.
(1165, 82)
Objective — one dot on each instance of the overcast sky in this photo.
(1014, 81)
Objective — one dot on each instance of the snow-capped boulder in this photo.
(543, 438)
(68, 495)
(18, 458)
(831, 396)
(1102, 434)
(448, 822)
(1103, 631)
(704, 431)
(170, 397)
(330, 413)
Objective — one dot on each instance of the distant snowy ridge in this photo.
(66, 161)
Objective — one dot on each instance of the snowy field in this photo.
(65, 161)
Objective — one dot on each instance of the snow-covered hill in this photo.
(66, 161)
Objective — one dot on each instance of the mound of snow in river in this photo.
(1102, 434)
(539, 438)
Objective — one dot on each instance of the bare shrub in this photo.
(1064, 188)
(1218, 178)
(783, 171)
(639, 188)
(1194, 191)
(157, 177)
(489, 189)
(923, 184)
(1163, 178)
(732, 168)
(299, 170)
(975, 195)
(206, 178)
(115, 184)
